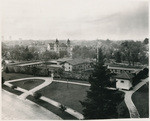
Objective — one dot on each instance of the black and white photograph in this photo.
(74, 59)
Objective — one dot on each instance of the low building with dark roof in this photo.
(119, 69)
(77, 65)
(124, 80)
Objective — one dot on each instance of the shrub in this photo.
(13, 87)
(62, 108)
(7, 70)
(37, 95)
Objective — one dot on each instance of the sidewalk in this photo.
(129, 103)
(48, 81)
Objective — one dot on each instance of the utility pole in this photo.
(67, 83)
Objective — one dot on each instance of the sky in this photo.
(75, 19)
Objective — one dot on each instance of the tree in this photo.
(118, 57)
(100, 102)
(146, 41)
(63, 54)
(60, 72)
(132, 51)
(27, 54)
(34, 70)
(37, 95)
(84, 52)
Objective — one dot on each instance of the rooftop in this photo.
(124, 75)
(124, 67)
(78, 61)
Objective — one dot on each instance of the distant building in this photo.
(57, 47)
(77, 65)
(120, 69)
(124, 80)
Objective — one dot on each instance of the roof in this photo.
(54, 66)
(63, 59)
(123, 68)
(28, 64)
(124, 75)
(78, 61)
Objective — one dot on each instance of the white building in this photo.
(124, 80)
(77, 65)
(58, 46)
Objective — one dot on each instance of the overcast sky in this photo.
(75, 19)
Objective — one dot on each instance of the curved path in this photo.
(128, 99)
(48, 80)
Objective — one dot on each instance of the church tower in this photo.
(57, 46)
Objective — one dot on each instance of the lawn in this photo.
(123, 110)
(141, 100)
(72, 80)
(69, 96)
(28, 84)
(11, 76)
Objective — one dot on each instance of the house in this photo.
(77, 65)
(124, 80)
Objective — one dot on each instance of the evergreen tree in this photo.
(100, 102)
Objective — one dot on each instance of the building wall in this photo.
(81, 67)
(57, 48)
(123, 84)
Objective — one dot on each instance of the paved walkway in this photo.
(128, 99)
(68, 110)
(48, 81)
(77, 83)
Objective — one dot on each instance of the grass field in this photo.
(28, 84)
(123, 110)
(141, 101)
(69, 96)
(11, 76)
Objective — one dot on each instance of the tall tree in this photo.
(146, 41)
(131, 51)
(100, 103)
(118, 57)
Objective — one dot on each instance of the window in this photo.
(122, 81)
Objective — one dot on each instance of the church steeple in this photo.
(57, 42)
(68, 43)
